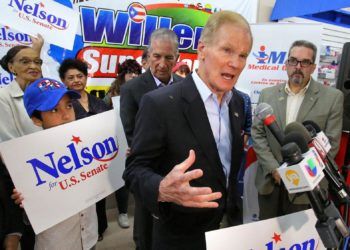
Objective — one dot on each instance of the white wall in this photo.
(265, 9)
(332, 35)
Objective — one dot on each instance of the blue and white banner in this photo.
(55, 22)
(65, 169)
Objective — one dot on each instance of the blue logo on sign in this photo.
(272, 57)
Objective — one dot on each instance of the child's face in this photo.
(63, 113)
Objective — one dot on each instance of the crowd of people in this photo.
(186, 131)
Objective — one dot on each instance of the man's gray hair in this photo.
(167, 35)
(306, 44)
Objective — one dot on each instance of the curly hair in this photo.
(72, 63)
(129, 65)
(10, 55)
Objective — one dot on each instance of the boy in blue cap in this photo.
(48, 103)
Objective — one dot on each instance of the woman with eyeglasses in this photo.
(25, 64)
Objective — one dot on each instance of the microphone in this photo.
(320, 138)
(330, 225)
(334, 178)
(321, 142)
(264, 112)
(303, 168)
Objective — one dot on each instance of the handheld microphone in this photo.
(330, 225)
(302, 170)
(264, 112)
(320, 137)
(334, 178)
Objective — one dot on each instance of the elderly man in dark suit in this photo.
(161, 58)
(301, 99)
(188, 140)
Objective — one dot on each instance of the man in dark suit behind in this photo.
(188, 140)
(162, 56)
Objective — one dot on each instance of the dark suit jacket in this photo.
(170, 122)
(131, 93)
(10, 214)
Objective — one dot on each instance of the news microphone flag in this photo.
(305, 175)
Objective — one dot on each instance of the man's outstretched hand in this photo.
(175, 187)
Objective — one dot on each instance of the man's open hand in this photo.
(175, 187)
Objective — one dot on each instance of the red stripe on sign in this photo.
(103, 61)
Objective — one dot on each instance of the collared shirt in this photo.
(160, 83)
(219, 119)
(294, 102)
(77, 232)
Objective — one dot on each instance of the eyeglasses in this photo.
(26, 62)
(294, 62)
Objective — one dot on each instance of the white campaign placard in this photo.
(55, 22)
(65, 169)
(293, 231)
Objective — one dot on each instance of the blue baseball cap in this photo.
(44, 94)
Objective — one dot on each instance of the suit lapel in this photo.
(281, 107)
(310, 98)
(235, 121)
(197, 118)
(150, 84)
(235, 112)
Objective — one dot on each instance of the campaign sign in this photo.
(65, 169)
(289, 232)
(55, 22)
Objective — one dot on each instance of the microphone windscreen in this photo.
(311, 129)
(299, 139)
(291, 153)
(263, 110)
(313, 124)
(298, 127)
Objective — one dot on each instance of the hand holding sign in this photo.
(175, 187)
(17, 197)
(37, 42)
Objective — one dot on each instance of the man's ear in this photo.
(200, 50)
(37, 121)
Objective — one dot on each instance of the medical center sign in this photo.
(65, 169)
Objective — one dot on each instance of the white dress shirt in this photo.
(294, 102)
(219, 119)
(160, 83)
(75, 233)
